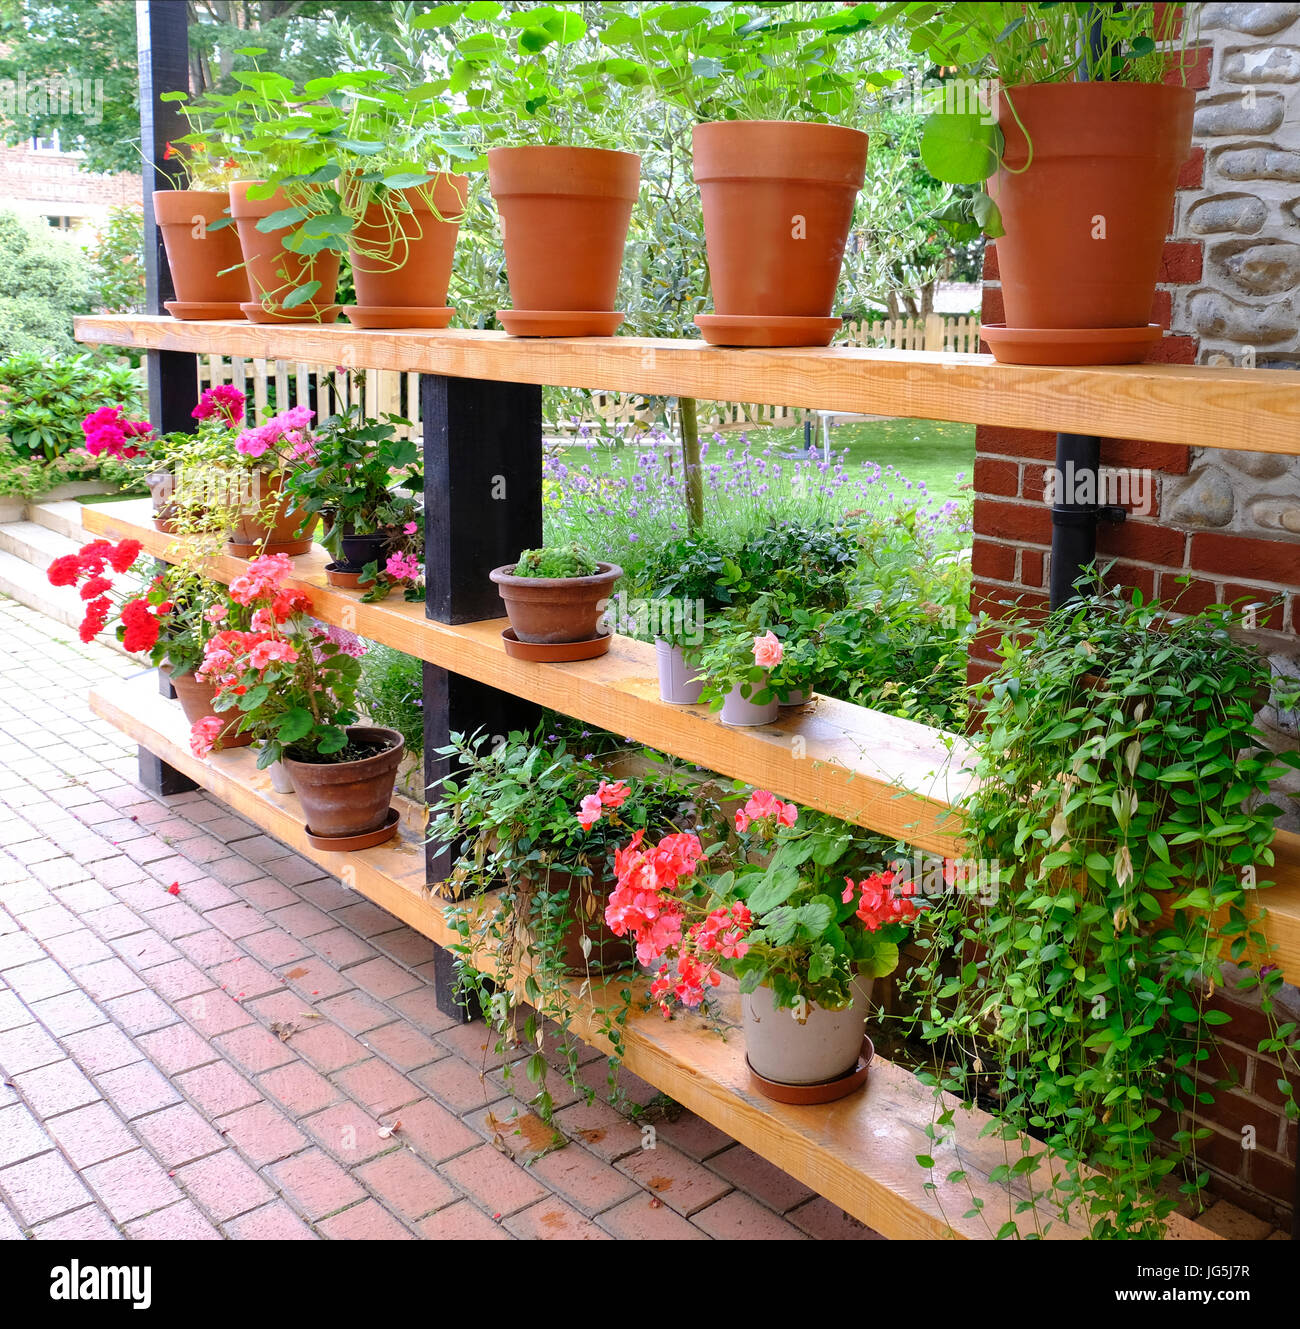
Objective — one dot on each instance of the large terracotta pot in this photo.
(555, 609)
(1086, 217)
(821, 1048)
(404, 258)
(348, 798)
(195, 697)
(564, 219)
(198, 256)
(778, 202)
(273, 271)
(272, 526)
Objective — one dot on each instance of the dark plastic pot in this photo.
(555, 609)
(344, 798)
(358, 550)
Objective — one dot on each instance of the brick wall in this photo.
(1221, 525)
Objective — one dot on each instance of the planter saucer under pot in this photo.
(347, 804)
(778, 200)
(817, 1058)
(556, 618)
(1085, 217)
(564, 219)
(679, 684)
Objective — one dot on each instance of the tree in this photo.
(117, 263)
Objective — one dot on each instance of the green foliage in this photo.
(556, 561)
(44, 401)
(391, 693)
(1120, 799)
(44, 281)
(117, 263)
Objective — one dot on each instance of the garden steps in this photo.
(26, 583)
(1251, 410)
(63, 516)
(35, 543)
(859, 1152)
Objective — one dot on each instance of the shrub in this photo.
(44, 281)
(117, 263)
(391, 693)
(43, 403)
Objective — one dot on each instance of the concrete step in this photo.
(62, 516)
(20, 581)
(35, 544)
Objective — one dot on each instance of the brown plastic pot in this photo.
(587, 896)
(270, 529)
(1105, 161)
(196, 696)
(564, 219)
(402, 259)
(555, 609)
(778, 202)
(273, 271)
(196, 255)
(347, 798)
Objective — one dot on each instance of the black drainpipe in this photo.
(1074, 525)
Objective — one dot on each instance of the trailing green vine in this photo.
(1122, 792)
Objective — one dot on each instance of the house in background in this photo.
(39, 180)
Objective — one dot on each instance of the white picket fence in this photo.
(281, 383)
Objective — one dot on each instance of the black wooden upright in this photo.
(482, 505)
(162, 41)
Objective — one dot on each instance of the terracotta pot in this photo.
(348, 797)
(607, 952)
(738, 710)
(196, 255)
(407, 256)
(555, 609)
(564, 219)
(272, 526)
(778, 202)
(1103, 154)
(824, 1047)
(195, 696)
(274, 271)
(678, 681)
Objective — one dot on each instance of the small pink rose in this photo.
(768, 651)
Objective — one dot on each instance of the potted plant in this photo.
(286, 203)
(778, 181)
(292, 686)
(564, 208)
(738, 665)
(796, 912)
(1081, 159)
(362, 477)
(555, 598)
(169, 618)
(202, 245)
(541, 825)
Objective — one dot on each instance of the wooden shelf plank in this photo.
(859, 1153)
(1253, 410)
(894, 776)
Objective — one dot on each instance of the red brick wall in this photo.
(1010, 557)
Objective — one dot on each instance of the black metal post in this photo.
(482, 506)
(162, 44)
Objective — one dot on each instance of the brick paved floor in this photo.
(259, 1056)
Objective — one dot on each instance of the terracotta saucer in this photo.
(1069, 346)
(203, 309)
(766, 330)
(346, 843)
(338, 575)
(304, 313)
(291, 547)
(827, 1092)
(554, 652)
(557, 323)
(397, 316)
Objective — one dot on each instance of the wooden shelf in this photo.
(894, 776)
(1236, 409)
(858, 1153)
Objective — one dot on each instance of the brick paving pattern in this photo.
(259, 1056)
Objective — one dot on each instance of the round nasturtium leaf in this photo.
(959, 148)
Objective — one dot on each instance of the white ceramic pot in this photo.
(796, 697)
(738, 710)
(280, 781)
(824, 1047)
(678, 681)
